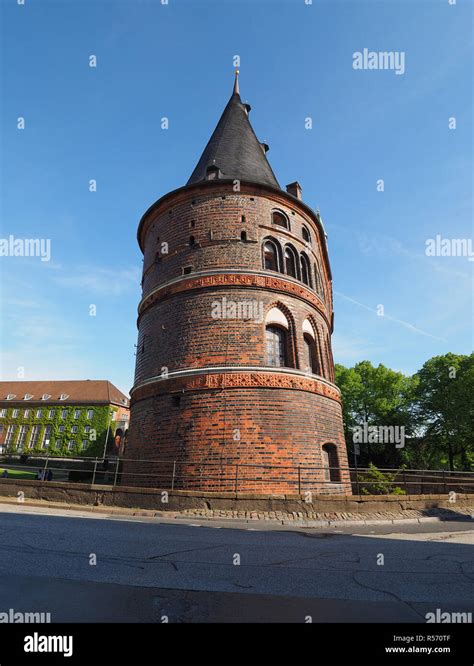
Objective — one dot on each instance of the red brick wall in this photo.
(279, 425)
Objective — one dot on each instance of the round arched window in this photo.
(290, 262)
(270, 256)
(280, 219)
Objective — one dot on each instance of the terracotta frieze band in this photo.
(235, 280)
(229, 380)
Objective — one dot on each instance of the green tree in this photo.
(444, 411)
(377, 396)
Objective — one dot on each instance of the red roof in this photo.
(77, 391)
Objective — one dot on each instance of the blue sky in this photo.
(176, 60)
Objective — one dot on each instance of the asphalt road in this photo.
(96, 568)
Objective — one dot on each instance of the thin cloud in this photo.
(402, 322)
(104, 281)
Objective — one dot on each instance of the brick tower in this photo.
(234, 381)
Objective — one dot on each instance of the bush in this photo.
(375, 482)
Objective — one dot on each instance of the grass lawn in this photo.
(19, 474)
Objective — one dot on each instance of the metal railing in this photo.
(231, 476)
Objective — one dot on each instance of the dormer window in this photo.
(212, 172)
(10, 396)
(45, 396)
(63, 396)
(28, 396)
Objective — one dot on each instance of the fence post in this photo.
(357, 481)
(236, 477)
(444, 479)
(45, 466)
(404, 480)
(174, 474)
(116, 471)
(299, 480)
(95, 470)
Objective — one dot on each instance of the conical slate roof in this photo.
(234, 149)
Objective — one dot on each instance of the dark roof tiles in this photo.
(235, 150)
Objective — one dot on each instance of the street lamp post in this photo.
(356, 453)
(107, 435)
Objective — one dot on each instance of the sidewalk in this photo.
(309, 519)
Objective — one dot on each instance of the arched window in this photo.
(305, 270)
(311, 359)
(280, 219)
(276, 346)
(330, 463)
(290, 262)
(317, 277)
(270, 256)
(306, 235)
(243, 236)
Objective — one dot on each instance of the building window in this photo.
(26, 413)
(306, 235)
(290, 262)
(61, 428)
(11, 431)
(51, 413)
(58, 443)
(74, 429)
(77, 413)
(243, 236)
(70, 444)
(330, 463)
(85, 444)
(15, 413)
(176, 400)
(10, 396)
(22, 436)
(39, 413)
(280, 219)
(305, 270)
(276, 346)
(311, 358)
(34, 436)
(3, 413)
(317, 277)
(45, 396)
(187, 270)
(270, 256)
(63, 413)
(46, 436)
(90, 413)
(87, 429)
(192, 241)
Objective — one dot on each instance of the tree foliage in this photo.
(435, 407)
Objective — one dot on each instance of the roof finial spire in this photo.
(236, 83)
